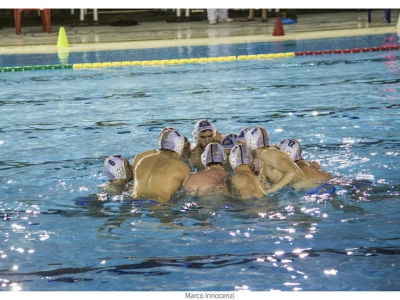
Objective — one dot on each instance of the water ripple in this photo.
(208, 261)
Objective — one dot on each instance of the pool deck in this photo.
(159, 33)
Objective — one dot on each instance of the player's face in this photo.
(205, 137)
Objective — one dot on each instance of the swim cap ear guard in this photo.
(213, 153)
(114, 167)
(201, 126)
(257, 137)
(240, 155)
(171, 140)
(291, 147)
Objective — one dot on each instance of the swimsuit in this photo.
(326, 188)
(140, 202)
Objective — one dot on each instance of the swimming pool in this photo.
(58, 126)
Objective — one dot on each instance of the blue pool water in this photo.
(58, 126)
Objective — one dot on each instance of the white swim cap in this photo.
(232, 136)
(291, 147)
(229, 141)
(114, 167)
(171, 140)
(241, 136)
(202, 125)
(164, 129)
(240, 155)
(213, 152)
(257, 137)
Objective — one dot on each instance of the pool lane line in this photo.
(180, 61)
(226, 58)
(37, 67)
(103, 65)
(345, 51)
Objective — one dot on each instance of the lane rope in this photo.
(139, 63)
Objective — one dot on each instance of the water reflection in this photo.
(63, 54)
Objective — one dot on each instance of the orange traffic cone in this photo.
(278, 30)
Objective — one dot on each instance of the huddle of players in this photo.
(243, 165)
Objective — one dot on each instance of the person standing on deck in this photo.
(218, 16)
